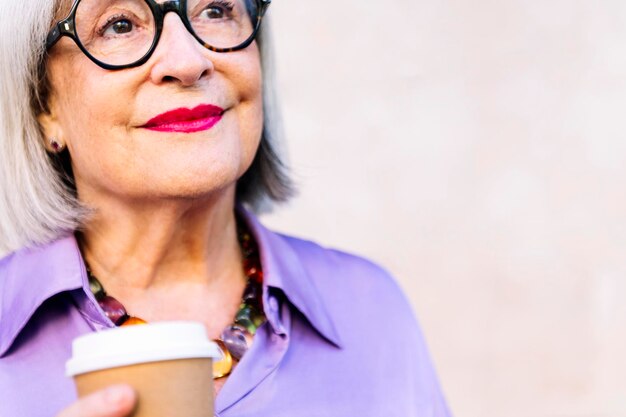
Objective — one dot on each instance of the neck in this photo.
(138, 248)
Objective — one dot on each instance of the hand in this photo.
(114, 401)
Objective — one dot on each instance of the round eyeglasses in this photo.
(118, 34)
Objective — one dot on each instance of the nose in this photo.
(179, 57)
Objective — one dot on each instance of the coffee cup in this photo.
(169, 364)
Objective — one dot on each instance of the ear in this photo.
(52, 131)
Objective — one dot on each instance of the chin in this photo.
(192, 184)
(179, 173)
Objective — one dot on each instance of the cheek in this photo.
(251, 128)
(96, 134)
(250, 108)
(93, 109)
(89, 101)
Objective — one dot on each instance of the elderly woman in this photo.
(138, 139)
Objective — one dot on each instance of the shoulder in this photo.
(351, 283)
(9, 260)
(334, 263)
(6, 262)
(374, 318)
(37, 260)
(61, 250)
(336, 274)
(25, 255)
(12, 264)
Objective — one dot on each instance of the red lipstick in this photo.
(202, 117)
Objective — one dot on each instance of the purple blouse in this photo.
(340, 340)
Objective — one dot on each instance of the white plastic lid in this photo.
(140, 343)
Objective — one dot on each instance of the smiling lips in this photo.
(186, 120)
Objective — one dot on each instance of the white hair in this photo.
(36, 204)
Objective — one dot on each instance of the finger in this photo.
(114, 401)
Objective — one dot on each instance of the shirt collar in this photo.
(283, 268)
(29, 277)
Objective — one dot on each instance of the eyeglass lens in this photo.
(120, 32)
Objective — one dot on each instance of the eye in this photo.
(213, 13)
(217, 10)
(117, 26)
(121, 26)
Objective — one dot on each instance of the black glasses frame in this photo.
(67, 27)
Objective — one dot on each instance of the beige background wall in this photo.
(477, 149)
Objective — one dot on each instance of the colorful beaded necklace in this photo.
(236, 338)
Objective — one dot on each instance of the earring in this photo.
(56, 145)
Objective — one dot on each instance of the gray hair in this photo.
(37, 200)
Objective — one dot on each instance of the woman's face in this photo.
(102, 117)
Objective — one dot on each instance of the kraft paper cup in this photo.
(170, 365)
